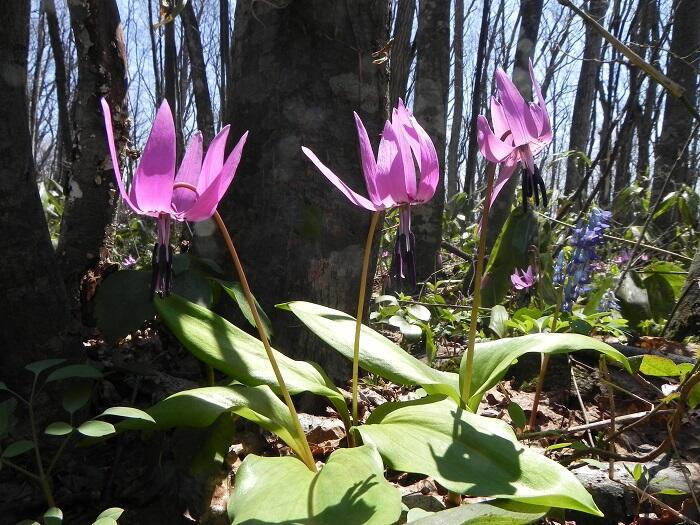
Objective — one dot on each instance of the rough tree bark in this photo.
(90, 202)
(479, 84)
(34, 305)
(685, 318)
(530, 15)
(198, 70)
(402, 51)
(301, 70)
(678, 122)
(585, 96)
(430, 109)
(61, 80)
(456, 131)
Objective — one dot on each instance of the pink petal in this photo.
(545, 128)
(499, 121)
(518, 283)
(516, 110)
(184, 198)
(423, 151)
(405, 156)
(213, 160)
(208, 201)
(507, 171)
(490, 146)
(353, 197)
(390, 178)
(369, 164)
(107, 114)
(153, 182)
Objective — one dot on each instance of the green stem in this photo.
(360, 312)
(308, 457)
(22, 470)
(466, 375)
(43, 479)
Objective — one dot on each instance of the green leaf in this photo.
(350, 489)
(123, 303)
(419, 312)
(225, 347)
(499, 318)
(493, 358)
(76, 395)
(38, 367)
(387, 300)
(17, 448)
(672, 492)
(53, 516)
(3, 386)
(670, 272)
(505, 513)
(517, 415)
(95, 428)
(637, 472)
(194, 286)
(112, 512)
(73, 371)
(694, 396)
(467, 453)
(200, 407)
(105, 521)
(127, 412)
(7, 409)
(658, 366)
(59, 428)
(378, 354)
(235, 291)
(661, 296)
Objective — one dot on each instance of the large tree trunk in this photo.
(34, 305)
(530, 15)
(585, 97)
(301, 70)
(401, 51)
(685, 318)
(672, 147)
(90, 203)
(430, 109)
(456, 131)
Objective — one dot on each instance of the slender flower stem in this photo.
(360, 312)
(43, 478)
(466, 373)
(308, 457)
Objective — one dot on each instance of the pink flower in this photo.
(153, 190)
(520, 131)
(522, 280)
(391, 178)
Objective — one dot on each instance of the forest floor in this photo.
(165, 477)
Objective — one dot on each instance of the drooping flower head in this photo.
(156, 191)
(519, 131)
(523, 280)
(392, 180)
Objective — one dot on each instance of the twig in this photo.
(580, 401)
(611, 394)
(656, 501)
(456, 251)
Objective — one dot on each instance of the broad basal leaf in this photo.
(378, 354)
(506, 513)
(493, 358)
(218, 343)
(470, 454)
(350, 490)
(200, 407)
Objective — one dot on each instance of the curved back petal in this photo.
(184, 198)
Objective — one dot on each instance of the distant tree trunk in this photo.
(170, 80)
(479, 84)
(198, 69)
(530, 15)
(685, 318)
(456, 131)
(678, 122)
(430, 109)
(154, 51)
(401, 50)
(90, 204)
(224, 55)
(301, 69)
(61, 80)
(34, 305)
(37, 81)
(585, 96)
